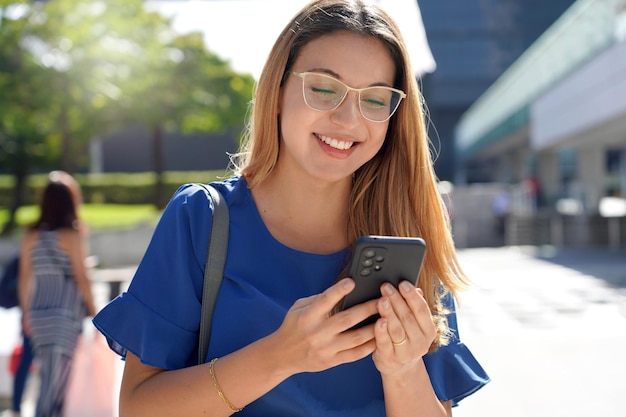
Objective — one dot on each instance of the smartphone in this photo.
(379, 259)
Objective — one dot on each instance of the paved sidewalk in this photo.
(550, 329)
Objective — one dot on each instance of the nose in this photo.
(348, 112)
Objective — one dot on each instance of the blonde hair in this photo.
(395, 193)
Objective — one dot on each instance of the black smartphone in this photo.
(379, 259)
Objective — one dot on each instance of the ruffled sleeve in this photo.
(454, 371)
(163, 301)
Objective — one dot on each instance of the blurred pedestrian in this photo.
(500, 207)
(54, 290)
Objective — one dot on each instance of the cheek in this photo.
(287, 103)
(290, 96)
(293, 111)
(289, 123)
(380, 133)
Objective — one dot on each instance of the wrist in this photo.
(218, 389)
(405, 375)
(278, 366)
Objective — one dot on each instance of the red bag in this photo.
(16, 357)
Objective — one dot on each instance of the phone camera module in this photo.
(371, 261)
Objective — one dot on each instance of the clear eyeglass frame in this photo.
(372, 107)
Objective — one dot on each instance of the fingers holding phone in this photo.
(408, 317)
(314, 340)
(405, 330)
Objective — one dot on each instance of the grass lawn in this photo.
(97, 216)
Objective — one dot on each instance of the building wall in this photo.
(131, 150)
(473, 42)
(586, 114)
(592, 96)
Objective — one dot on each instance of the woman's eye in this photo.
(374, 102)
(323, 91)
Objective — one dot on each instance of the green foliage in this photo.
(72, 69)
(114, 188)
(24, 97)
(118, 216)
(97, 216)
(112, 201)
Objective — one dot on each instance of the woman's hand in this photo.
(405, 330)
(311, 339)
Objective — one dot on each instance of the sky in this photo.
(243, 31)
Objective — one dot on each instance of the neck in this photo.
(303, 213)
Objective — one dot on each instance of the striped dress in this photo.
(56, 315)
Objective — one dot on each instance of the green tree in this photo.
(24, 97)
(72, 69)
(183, 87)
(91, 47)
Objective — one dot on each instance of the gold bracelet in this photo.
(219, 390)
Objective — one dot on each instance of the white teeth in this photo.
(334, 143)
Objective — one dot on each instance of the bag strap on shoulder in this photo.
(214, 268)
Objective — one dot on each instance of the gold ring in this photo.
(401, 342)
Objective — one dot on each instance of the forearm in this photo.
(83, 283)
(24, 302)
(411, 394)
(84, 287)
(23, 293)
(24, 280)
(243, 376)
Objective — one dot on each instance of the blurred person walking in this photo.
(54, 290)
(500, 207)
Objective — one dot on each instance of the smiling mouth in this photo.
(334, 143)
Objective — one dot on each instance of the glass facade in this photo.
(473, 43)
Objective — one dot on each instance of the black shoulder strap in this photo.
(214, 268)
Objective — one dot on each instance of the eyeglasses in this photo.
(325, 93)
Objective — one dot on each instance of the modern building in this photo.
(132, 150)
(557, 117)
(473, 42)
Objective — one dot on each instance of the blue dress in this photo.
(158, 318)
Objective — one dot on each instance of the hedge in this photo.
(111, 188)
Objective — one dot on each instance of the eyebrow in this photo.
(337, 76)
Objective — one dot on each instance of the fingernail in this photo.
(347, 283)
(388, 289)
(385, 304)
(406, 286)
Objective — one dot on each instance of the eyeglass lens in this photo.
(324, 93)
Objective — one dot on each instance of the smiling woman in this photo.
(336, 149)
